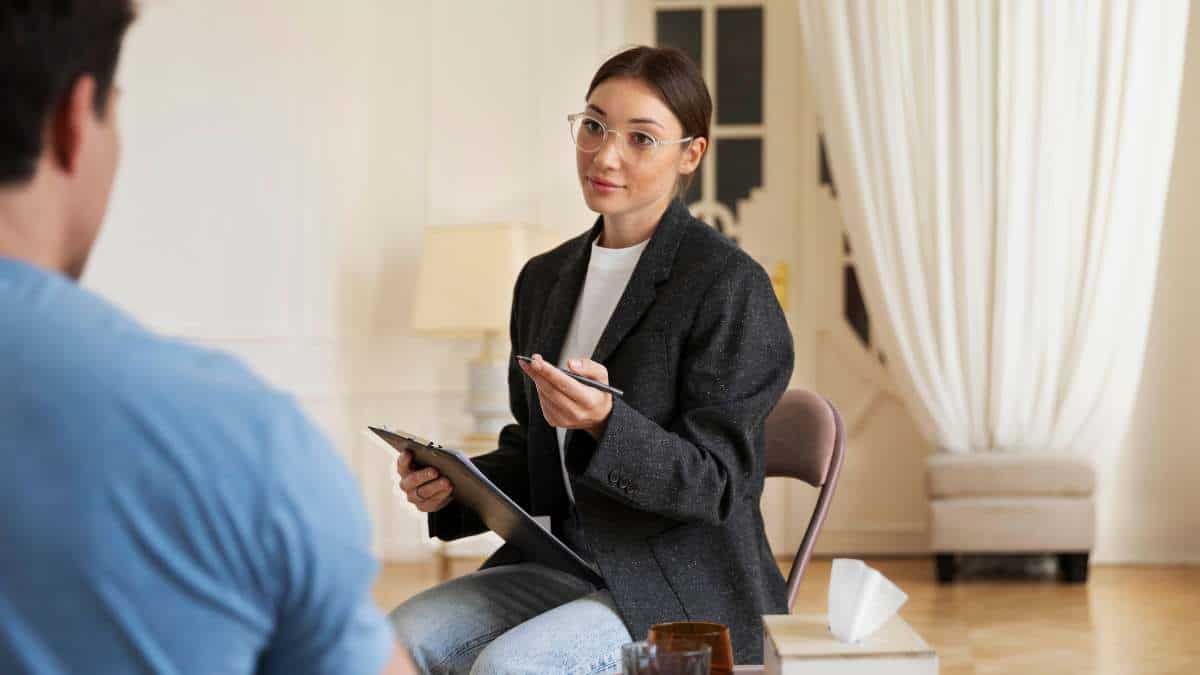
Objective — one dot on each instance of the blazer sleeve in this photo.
(507, 466)
(735, 364)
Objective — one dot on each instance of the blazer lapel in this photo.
(563, 296)
(545, 460)
(653, 268)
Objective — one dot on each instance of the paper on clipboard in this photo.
(497, 510)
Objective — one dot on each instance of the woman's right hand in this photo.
(424, 487)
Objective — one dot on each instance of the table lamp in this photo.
(464, 289)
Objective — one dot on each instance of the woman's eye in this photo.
(592, 127)
(640, 139)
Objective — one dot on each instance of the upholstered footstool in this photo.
(1007, 503)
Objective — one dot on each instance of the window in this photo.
(726, 40)
(854, 308)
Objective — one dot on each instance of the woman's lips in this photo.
(603, 187)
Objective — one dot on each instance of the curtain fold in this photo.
(1002, 168)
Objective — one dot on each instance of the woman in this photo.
(658, 489)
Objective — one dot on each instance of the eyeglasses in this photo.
(588, 134)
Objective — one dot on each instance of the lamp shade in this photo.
(466, 277)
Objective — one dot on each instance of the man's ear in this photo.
(692, 154)
(73, 119)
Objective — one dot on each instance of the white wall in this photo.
(1151, 509)
(281, 160)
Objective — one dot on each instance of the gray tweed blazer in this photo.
(668, 498)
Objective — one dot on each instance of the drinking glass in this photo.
(644, 658)
(684, 633)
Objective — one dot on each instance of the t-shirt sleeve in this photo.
(319, 535)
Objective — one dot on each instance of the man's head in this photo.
(58, 132)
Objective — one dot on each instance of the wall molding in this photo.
(1131, 546)
(884, 543)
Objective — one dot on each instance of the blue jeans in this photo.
(512, 619)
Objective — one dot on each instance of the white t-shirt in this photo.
(608, 274)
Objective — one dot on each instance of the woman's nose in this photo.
(609, 153)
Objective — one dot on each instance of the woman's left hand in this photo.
(568, 404)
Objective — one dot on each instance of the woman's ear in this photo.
(692, 154)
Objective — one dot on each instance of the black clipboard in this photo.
(497, 510)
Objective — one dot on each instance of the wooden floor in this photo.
(1135, 620)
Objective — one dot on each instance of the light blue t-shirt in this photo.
(164, 511)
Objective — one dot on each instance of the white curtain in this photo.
(1002, 167)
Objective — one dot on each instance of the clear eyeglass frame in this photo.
(639, 143)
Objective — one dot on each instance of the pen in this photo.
(578, 378)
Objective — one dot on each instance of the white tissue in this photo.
(861, 600)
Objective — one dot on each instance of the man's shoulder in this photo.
(77, 356)
(206, 395)
(157, 370)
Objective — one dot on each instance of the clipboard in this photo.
(497, 510)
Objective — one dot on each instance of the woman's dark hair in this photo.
(679, 84)
(45, 47)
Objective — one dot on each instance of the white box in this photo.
(802, 645)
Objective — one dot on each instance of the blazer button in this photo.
(613, 477)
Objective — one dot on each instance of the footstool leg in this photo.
(1073, 567)
(946, 567)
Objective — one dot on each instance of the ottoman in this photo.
(1011, 503)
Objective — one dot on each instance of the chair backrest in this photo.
(805, 440)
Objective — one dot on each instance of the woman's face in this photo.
(622, 180)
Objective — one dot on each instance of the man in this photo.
(162, 509)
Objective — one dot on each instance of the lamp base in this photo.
(487, 398)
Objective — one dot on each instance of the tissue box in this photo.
(802, 644)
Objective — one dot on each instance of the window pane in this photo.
(854, 309)
(681, 29)
(826, 172)
(739, 169)
(740, 65)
